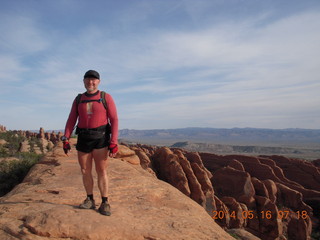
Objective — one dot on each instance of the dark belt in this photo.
(98, 129)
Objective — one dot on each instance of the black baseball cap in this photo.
(92, 74)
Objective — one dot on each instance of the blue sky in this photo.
(167, 63)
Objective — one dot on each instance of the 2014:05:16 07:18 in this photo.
(250, 214)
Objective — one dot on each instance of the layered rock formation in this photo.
(52, 137)
(270, 196)
(47, 140)
(277, 186)
(44, 206)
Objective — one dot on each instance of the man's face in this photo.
(91, 84)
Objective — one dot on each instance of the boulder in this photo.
(291, 198)
(24, 146)
(144, 159)
(167, 167)
(224, 220)
(128, 155)
(41, 133)
(235, 211)
(196, 192)
(270, 223)
(272, 190)
(236, 165)
(230, 182)
(194, 157)
(260, 188)
(299, 228)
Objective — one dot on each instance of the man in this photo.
(93, 110)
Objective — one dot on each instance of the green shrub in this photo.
(13, 141)
(3, 152)
(13, 172)
(234, 235)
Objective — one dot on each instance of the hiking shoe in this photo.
(88, 204)
(104, 209)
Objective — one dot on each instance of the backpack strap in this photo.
(78, 98)
(103, 96)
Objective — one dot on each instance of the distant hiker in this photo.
(97, 118)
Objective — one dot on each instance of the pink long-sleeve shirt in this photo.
(93, 115)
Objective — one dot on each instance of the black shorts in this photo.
(87, 145)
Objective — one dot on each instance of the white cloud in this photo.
(11, 70)
(21, 35)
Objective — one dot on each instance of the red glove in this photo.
(66, 147)
(113, 148)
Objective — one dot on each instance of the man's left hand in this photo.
(113, 149)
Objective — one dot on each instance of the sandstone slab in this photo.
(44, 206)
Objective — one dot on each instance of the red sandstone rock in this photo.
(260, 171)
(196, 192)
(60, 134)
(214, 162)
(269, 176)
(203, 178)
(24, 146)
(144, 159)
(236, 212)
(185, 170)
(300, 171)
(223, 221)
(41, 133)
(53, 137)
(194, 157)
(231, 182)
(270, 224)
(299, 228)
(260, 188)
(168, 168)
(236, 165)
(45, 206)
(126, 154)
(316, 163)
(291, 199)
(276, 169)
(272, 189)
(149, 150)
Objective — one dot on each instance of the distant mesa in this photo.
(224, 135)
(179, 144)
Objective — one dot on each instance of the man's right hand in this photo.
(66, 145)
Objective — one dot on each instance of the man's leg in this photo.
(100, 157)
(85, 161)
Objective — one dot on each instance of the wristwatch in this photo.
(64, 138)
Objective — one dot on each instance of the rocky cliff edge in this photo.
(44, 206)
